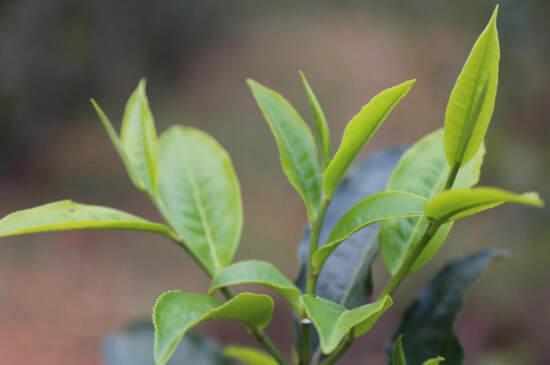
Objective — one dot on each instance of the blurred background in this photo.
(61, 293)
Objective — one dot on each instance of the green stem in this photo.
(305, 341)
(340, 350)
(226, 292)
(452, 176)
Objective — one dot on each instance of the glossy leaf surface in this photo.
(372, 209)
(319, 121)
(358, 132)
(249, 356)
(345, 277)
(458, 203)
(139, 139)
(422, 170)
(200, 195)
(67, 215)
(262, 273)
(472, 100)
(333, 321)
(134, 346)
(296, 144)
(427, 325)
(176, 312)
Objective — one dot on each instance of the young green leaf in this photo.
(139, 139)
(458, 203)
(296, 144)
(398, 356)
(434, 361)
(320, 123)
(176, 312)
(427, 325)
(134, 346)
(333, 321)
(472, 100)
(67, 215)
(262, 273)
(372, 209)
(249, 356)
(200, 195)
(422, 170)
(138, 147)
(358, 132)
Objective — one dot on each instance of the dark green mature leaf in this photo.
(262, 273)
(320, 123)
(249, 356)
(333, 322)
(297, 149)
(139, 138)
(345, 275)
(422, 170)
(472, 100)
(176, 312)
(138, 147)
(358, 132)
(427, 326)
(134, 346)
(372, 209)
(67, 215)
(458, 203)
(200, 195)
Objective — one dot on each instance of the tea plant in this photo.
(190, 179)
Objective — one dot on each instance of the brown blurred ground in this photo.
(61, 293)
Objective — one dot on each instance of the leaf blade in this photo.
(372, 209)
(200, 195)
(67, 215)
(458, 203)
(472, 100)
(297, 150)
(398, 356)
(249, 356)
(319, 121)
(358, 132)
(175, 312)
(262, 273)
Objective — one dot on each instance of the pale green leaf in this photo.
(435, 361)
(296, 144)
(139, 139)
(458, 203)
(333, 321)
(422, 170)
(472, 100)
(176, 312)
(372, 209)
(200, 195)
(398, 356)
(359, 130)
(249, 356)
(319, 121)
(67, 215)
(262, 273)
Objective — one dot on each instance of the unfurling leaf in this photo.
(262, 273)
(333, 321)
(422, 170)
(296, 144)
(200, 195)
(472, 100)
(176, 312)
(137, 146)
(319, 122)
(249, 356)
(434, 361)
(372, 209)
(427, 325)
(358, 132)
(458, 203)
(67, 215)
